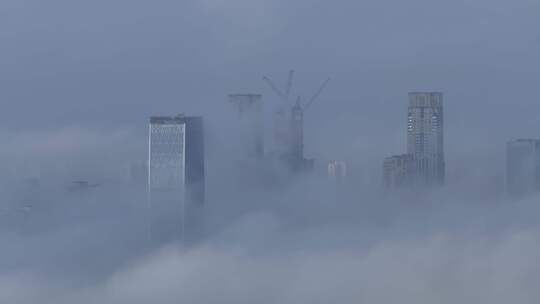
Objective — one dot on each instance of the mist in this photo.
(80, 81)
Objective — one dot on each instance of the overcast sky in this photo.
(119, 61)
(104, 64)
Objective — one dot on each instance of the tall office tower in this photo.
(176, 180)
(398, 171)
(250, 123)
(523, 166)
(337, 170)
(425, 136)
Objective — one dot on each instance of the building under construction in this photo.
(288, 128)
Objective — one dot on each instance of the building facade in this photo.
(166, 166)
(523, 166)
(399, 171)
(176, 179)
(425, 136)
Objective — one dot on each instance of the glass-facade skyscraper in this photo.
(176, 179)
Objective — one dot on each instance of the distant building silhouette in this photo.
(176, 178)
(337, 170)
(250, 122)
(522, 166)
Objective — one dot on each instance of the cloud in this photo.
(27, 153)
(442, 269)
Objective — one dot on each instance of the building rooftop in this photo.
(178, 119)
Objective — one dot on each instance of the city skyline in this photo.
(269, 151)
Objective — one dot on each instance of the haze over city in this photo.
(157, 151)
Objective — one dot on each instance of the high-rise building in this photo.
(176, 179)
(291, 148)
(523, 166)
(194, 178)
(424, 163)
(425, 136)
(250, 123)
(399, 171)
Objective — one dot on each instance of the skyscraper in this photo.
(176, 180)
(250, 123)
(425, 136)
(522, 166)
(195, 181)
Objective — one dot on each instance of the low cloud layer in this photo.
(305, 240)
(446, 267)
(313, 241)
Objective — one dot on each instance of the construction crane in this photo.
(275, 89)
(316, 95)
(289, 84)
(286, 94)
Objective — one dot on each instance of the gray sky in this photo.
(104, 64)
(114, 62)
